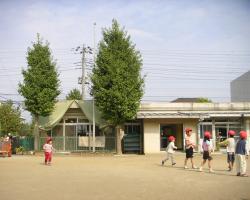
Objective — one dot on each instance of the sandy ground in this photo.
(116, 178)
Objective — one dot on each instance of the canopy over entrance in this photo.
(61, 107)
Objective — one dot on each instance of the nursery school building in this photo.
(71, 125)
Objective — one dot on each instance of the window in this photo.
(71, 120)
(205, 127)
(57, 131)
(83, 130)
(80, 120)
(132, 129)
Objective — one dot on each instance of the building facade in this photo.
(163, 119)
(72, 129)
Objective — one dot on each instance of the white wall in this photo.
(152, 132)
(151, 137)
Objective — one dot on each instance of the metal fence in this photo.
(26, 142)
(132, 143)
(75, 144)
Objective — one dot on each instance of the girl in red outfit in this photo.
(48, 148)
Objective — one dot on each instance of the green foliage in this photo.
(117, 84)
(204, 100)
(74, 94)
(10, 118)
(26, 129)
(20, 150)
(41, 83)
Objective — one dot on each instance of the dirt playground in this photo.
(109, 177)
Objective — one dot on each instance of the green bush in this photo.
(20, 150)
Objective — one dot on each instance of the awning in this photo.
(61, 107)
(190, 114)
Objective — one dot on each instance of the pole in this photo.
(93, 96)
(83, 72)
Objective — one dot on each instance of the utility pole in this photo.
(93, 95)
(83, 72)
(82, 79)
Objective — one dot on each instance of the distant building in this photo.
(240, 88)
(186, 100)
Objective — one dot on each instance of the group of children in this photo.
(237, 152)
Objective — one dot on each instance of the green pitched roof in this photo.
(61, 108)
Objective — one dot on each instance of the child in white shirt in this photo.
(170, 151)
(230, 143)
(207, 149)
(189, 145)
(48, 148)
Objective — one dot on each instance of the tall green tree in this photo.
(10, 118)
(117, 83)
(74, 94)
(26, 129)
(40, 86)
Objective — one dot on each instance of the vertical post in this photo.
(83, 72)
(89, 137)
(199, 136)
(94, 96)
(93, 125)
(63, 134)
(213, 133)
(118, 140)
(36, 134)
(183, 135)
(76, 136)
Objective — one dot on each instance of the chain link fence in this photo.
(81, 143)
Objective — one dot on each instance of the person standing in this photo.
(189, 144)
(241, 154)
(207, 149)
(230, 143)
(170, 151)
(48, 149)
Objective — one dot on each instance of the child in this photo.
(189, 148)
(241, 154)
(48, 148)
(230, 143)
(207, 149)
(170, 150)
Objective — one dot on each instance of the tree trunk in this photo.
(36, 134)
(119, 136)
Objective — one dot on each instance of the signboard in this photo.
(86, 141)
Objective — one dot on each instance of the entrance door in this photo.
(132, 138)
(167, 130)
(221, 133)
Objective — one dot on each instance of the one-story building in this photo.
(71, 125)
(163, 119)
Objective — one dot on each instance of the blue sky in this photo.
(190, 48)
